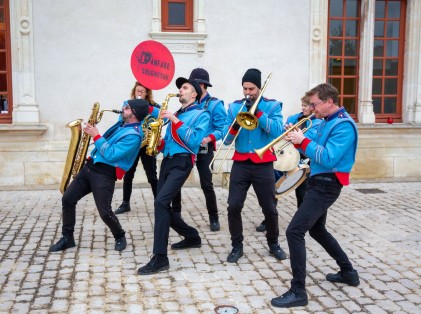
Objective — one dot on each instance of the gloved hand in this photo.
(235, 126)
(249, 103)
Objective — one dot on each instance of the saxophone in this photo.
(78, 146)
(155, 129)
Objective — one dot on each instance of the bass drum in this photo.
(290, 180)
(287, 156)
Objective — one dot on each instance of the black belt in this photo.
(324, 178)
(176, 155)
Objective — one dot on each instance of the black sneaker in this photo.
(124, 208)
(120, 243)
(156, 264)
(275, 250)
(348, 277)
(214, 224)
(290, 299)
(235, 255)
(187, 244)
(63, 244)
(262, 227)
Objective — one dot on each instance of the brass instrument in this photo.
(262, 150)
(78, 146)
(222, 144)
(155, 129)
(247, 119)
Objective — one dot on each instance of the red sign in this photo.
(152, 64)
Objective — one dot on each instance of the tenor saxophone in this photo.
(78, 146)
(155, 129)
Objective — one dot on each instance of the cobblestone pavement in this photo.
(379, 231)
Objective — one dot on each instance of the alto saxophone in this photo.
(78, 146)
(155, 129)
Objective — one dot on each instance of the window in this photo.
(5, 65)
(177, 15)
(389, 31)
(343, 51)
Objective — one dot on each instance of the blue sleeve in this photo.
(219, 116)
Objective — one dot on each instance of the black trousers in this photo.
(260, 176)
(300, 192)
(102, 188)
(205, 175)
(149, 165)
(173, 173)
(202, 163)
(322, 192)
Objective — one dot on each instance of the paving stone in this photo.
(380, 234)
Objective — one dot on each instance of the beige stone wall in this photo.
(390, 153)
(385, 153)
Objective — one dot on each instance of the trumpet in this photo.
(262, 150)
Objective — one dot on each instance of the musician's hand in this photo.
(249, 103)
(205, 140)
(295, 136)
(288, 126)
(91, 130)
(169, 115)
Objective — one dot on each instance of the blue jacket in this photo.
(186, 135)
(270, 126)
(218, 116)
(333, 147)
(119, 146)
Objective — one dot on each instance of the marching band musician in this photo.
(306, 111)
(180, 145)
(149, 162)
(249, 169)
(113, 155)
(332, 153)
(218, 115)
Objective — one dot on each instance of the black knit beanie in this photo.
(253, 76)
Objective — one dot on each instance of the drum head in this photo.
(291, 180)
(287, 158)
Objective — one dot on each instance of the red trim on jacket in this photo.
(97, 137)
(267, 157)
(343, 177)
(213, 139)
(259, 114)
(161, 146)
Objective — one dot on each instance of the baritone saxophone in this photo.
(78, 146)
(155, 128)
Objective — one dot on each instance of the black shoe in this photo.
(262, 227)
(120, 243)
(235, 255)
(63, 244)
(187, 244)
(156, 264)
(290, 299)
(214, 224)
(275, 250)
(124, 208)
(349, 277)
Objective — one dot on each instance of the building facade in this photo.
(59, 57)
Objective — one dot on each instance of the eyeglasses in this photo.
(314, 104)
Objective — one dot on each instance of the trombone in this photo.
(246, 120)
(262, 150)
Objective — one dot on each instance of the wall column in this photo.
(365, 105)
